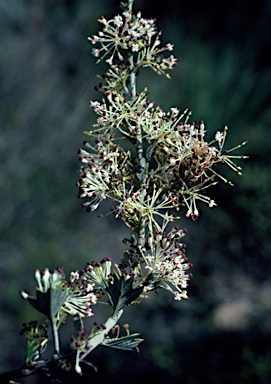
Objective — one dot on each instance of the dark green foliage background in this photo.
(47, 76)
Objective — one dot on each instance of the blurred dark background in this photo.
(47, 76)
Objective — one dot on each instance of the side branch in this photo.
(99, 338)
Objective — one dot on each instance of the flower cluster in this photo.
(180, 162)
(37, 339)
(117, 113)
(185, 162)
(128, 34)
(166, 263)
(138, 206)
(81, 298)
(98, 273)
(174, 164)
(160, 262)
(34, 331)
(77, 295)
(169, 166)
(104, 171)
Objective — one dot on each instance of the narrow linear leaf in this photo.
(34, 349)
(33, 352)
(128, 343)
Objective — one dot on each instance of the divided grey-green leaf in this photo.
(122, 293)
(57, 300)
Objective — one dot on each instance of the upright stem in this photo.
(131, 62)
(139, 144)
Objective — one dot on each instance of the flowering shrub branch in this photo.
(167, 170)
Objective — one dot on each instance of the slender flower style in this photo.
(152, 165)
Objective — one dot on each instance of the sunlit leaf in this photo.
(58, 296)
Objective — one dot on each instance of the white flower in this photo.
(175, 111)
(95, 39)
(219, 136)
(94, 104)
(169, 62)
(96, 52)
(135, 47)
(169, 47)
(118, 21)
(180, 295)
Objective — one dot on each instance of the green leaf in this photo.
(41, 303)
(58, 296)
(34, 349)
(124, 6)
(122, 293)
(33, 352)
(128, 343)
(49, 303)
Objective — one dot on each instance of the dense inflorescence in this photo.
(169, 164)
